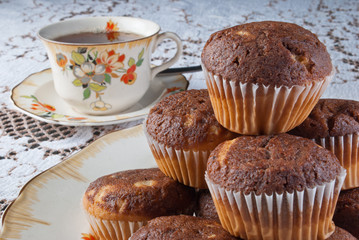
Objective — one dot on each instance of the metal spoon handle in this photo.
(171, 71)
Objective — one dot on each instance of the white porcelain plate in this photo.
(36, 97)
(48, 206)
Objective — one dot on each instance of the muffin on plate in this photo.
(205, 206)
(275, 187)
(118, 204)
(347, 211)
(265, 77)
(341, 234)
(181, 227)
(334, 124)
(182, 131)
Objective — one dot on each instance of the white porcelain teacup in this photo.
(104, 78)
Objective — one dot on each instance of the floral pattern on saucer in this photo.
(47, 111)
(87, 236)
(36, 97)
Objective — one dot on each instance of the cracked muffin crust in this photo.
(330, 117)
(137, 195)
(181, 227)
(186, 121)
(250, 176)
(269, 53)
(267, 164)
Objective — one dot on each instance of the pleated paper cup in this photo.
(111, 229)
(301, 215)
(256, 109)
(185, 166)
(346, 149)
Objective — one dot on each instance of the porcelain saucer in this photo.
(33, 214)
(35, 96)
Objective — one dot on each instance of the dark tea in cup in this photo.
(98, 37)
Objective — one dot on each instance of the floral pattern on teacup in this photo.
(94, 71)
(112, 31)
(61, 60)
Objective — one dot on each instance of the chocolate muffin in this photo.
(265, 77)
(250, 176)
(118, 204)
(341, 234)
(267, 52)
(330, 118)
(347, 211)
(181, 227)
(205, 206)
(334, 124)
(182, 130)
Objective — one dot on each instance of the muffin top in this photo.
(341, 234)
(186, 120)
(267, 164)
(181, 227)
(269, 53)
(205, 206)
(137, 195)
(330, 118)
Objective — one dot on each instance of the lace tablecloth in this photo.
(28, 146)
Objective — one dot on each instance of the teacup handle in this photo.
(160, 38)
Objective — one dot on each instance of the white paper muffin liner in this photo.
(346, 149)
(301, 215)
(185, 166)
(114, 230)
(253, 109)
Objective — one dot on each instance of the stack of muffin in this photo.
(263, 80)
(334, 125)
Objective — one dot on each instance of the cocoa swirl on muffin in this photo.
(137, 195)
(186, 120)
(269, 53)
(330, 117)
(274, 163)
